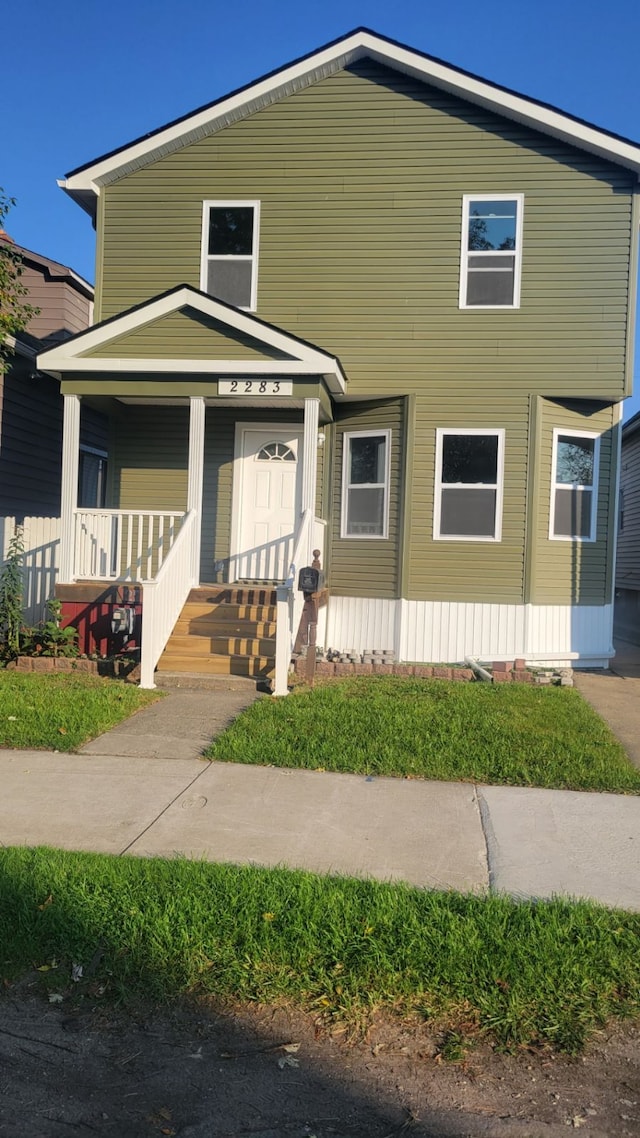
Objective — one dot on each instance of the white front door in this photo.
(267, 498)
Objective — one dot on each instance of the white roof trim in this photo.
(86, 183)
(306, 360)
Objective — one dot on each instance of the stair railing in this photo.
(164, 599)
(289, 604)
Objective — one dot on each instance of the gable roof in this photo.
(84, 183)
(301, 359)
(53, 270)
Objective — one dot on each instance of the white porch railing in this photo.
(124, 545)
(289, 600)
(164, 598)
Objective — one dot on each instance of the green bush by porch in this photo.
(513, 735)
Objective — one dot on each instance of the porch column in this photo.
(195, 477)
(310, 463)
(69, 494)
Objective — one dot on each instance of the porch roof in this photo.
(188, 334)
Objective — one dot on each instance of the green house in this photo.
(370, 305)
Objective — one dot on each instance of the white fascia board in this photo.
(123, 365)
(70, 355)
(326, 62)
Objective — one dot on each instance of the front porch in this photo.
(212, 479)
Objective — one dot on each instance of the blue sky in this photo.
(87, 77)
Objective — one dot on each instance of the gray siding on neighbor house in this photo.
(628, 555)
(64, 310)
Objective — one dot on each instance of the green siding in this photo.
(148, 457)
(361, 178)
(187, 334)
(469, 570)
(565, 572)
(370, 567)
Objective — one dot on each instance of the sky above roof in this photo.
(87, 78)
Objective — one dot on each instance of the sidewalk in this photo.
(143, 789)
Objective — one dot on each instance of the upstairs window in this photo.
(230, 252)
(491, 251)
(468, 495)
(574, 493)
(365, 484)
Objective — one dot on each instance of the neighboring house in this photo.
(627, 609)
(31, 403)
(370, 304)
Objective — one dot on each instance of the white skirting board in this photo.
(447, 631)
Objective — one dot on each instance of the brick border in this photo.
(503, 671)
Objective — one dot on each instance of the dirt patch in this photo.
(202, 1072)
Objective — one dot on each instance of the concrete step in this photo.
(203, 681)
(257, 666)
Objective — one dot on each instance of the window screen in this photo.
(575, 489)
(365, 484)
(491, 254)
(229, 267)
(468, 484)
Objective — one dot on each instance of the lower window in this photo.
(468, 491)
(574, 492)
(365, 484)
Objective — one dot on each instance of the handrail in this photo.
(164, 599)
(289, 604)
(123, 545)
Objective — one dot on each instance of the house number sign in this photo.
(255, 387)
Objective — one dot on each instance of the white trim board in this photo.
(84, 184)
(304, 359)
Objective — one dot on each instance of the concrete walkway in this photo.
(144, 789)
(615, 695)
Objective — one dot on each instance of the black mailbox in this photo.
(309, 580)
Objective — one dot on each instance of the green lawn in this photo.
(509, 734)
(60, 712)
(545, 971)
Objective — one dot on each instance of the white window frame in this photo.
(205, 258)
(347, 485)
(465, 252)
(555, 485)
(498, 486)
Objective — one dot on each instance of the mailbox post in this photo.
(309, 584)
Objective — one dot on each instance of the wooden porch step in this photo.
(233, 594)
(202, 626)
(224, 630)
(185, 645)
(227, 611)
(219, 665)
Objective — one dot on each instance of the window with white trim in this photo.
(365, 484)
(468, 490)
(229, 269)
(491, 256)
(574, 490)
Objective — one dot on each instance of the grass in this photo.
(549, 971)
(60, 712)
(514, 735)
